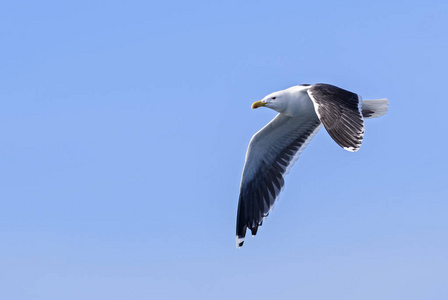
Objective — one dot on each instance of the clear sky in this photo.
(124, 126)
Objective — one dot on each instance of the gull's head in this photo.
(276, 101)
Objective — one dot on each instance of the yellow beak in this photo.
(257, 104)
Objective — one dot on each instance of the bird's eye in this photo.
(273, 98)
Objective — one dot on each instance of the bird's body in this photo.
(273, 150)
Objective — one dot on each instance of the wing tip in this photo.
(240, 238)
(239, 242)
(254, 230)
(352, 149)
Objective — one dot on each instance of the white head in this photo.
(274, 101)
(280, 101)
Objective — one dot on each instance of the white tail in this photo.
(374, 108)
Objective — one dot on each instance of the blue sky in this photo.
(124, 127)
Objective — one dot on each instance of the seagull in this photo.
(302, 110)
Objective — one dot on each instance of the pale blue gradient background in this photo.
(124, 127)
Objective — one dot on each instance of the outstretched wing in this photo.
(340, 112)
(271, 152)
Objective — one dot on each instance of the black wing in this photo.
(340, 112)
(271, 152)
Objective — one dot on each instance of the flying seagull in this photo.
(272, 151)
